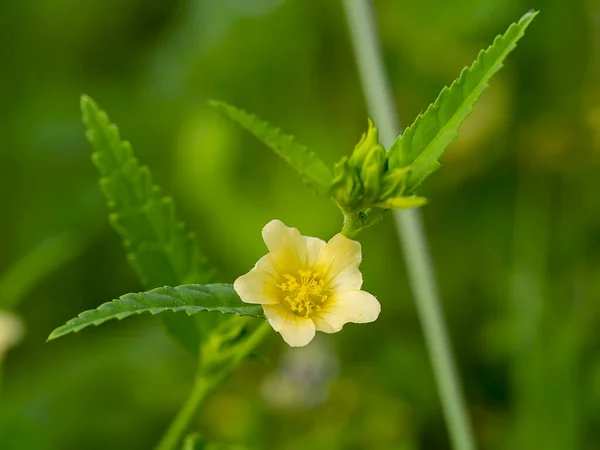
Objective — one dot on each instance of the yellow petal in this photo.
(260, 284)
(343, 307)
(339, 262)
(314, 247)
(289, 248)
(295, 330)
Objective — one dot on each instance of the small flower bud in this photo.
(371, 173)
(346, 188)
(367, 141)
(365, 180)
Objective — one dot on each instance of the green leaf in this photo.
(311, 168)
(423, 143)
(190, 298)
(160, 249)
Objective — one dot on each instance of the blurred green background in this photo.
(513, 220)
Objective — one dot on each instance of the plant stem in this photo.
(245, 347)
(423, 286)
(409, 226)
(180, 424)
(204, 385)
(349, 228)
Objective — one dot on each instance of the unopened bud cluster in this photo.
(364, 181)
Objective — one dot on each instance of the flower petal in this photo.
(260, 284)
(296, 331)
(343, 307)
(339, 261)
(280, 238)
(314, 248)
(291, 251)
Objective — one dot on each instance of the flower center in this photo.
(304, 293)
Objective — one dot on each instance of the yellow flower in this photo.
(305, 284)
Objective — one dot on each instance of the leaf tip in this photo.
(217, 104)
(54, 335)
(528, 16)
(89, 109)
(87, 103)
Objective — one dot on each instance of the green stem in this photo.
(351, 226)
(245, 347)
(204, 385)
(379, 100)
(180, 424)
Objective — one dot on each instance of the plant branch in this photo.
(170, 441)
(204, 386)
(380, 103)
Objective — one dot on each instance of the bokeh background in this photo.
(513, 220)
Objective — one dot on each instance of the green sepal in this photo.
(371, 173)
(393, 183)
(346, 188)
(367, 141)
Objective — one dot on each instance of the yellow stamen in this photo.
(306, 295)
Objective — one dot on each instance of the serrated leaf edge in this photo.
(433, 110)
(320, 184)
(139, 305)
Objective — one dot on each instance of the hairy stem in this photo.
(204, 385)
(351, 226)
(380, 103)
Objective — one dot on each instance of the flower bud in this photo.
(346, 187)
(367, 141)
(365, 180)
(371, 173)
